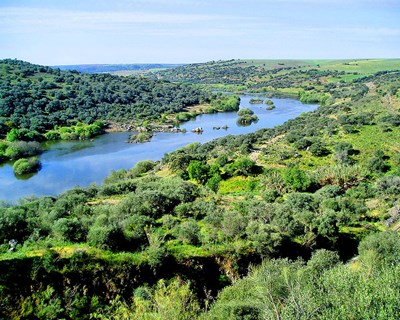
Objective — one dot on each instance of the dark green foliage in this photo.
(225, 103)
(329, 191)
(265, 238)
(302, 144)
(322, 260)
(322, 289)
(377, 162)
(389, 185)
(67, 97)
(245, 112)
(134, 228)
(122, 187)
(106, 237)
(141, 168)
(242, 166)
(13, 225)
(155, 227)
(213, 182)
(246, 117)
(318, 149)
(255, 101)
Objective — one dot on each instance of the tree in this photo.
(297, 179)
(198, 171)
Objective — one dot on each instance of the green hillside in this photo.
(37, 98)
(311, 207)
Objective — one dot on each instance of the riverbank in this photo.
(66, 164)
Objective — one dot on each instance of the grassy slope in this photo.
(367, 139)
(268, 155)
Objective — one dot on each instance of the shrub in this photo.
(302, 144)
(188, 232)
(24, 166)
(21, 149)
(322, 260)
(134, 228)
(377, 162)
(106, 237)
(242, 166)
(198, 171)
(69, 229)
(318, 149)
(213, 182)
(13, 224)
(247, 120)
(381, 247)
(141, 168)
(297, 179)
(389, 185)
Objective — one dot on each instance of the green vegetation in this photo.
(38, 98)
(256, 101)
(246, 117)
(322, 288)
(40, 103)
(78, 132)
(24, 166)
(311, 204)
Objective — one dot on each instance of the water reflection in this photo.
(68, 164)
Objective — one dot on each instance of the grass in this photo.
(66, 251)
(370, 138)
(362, 66)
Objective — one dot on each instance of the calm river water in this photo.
(80, 163)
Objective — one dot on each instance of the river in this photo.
(68, 164)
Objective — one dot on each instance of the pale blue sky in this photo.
(54, 32)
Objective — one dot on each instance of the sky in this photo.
(62, 32)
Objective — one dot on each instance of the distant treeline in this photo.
(104, 68)
(38, 98)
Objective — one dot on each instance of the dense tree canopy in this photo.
(37, 98)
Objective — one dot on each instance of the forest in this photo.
(37, 98)
(39, 103)
(295, 222)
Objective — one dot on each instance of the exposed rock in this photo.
(198, 130)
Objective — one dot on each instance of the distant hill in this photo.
(269, 75)
(116, 68)
(37, 98)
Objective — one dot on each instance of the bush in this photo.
(188, 232)
(24, 166)
(322, 260)
(13, 224)
(389, 185)
(383, 247)
(141, 168)
(198, 171)
(106, 237)
(242, 166)
(134, 228)
(69, 229)
(246, 120)
(302, 144)
(297, 179)
(318, 149)
(21, 149)
(377, 162)
(213, 182)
